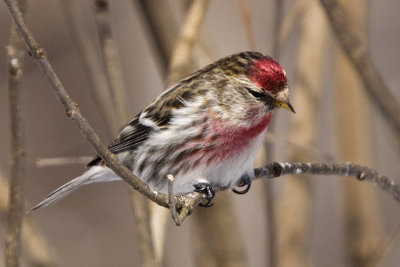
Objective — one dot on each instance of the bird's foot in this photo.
(206, 189)
(245, 180)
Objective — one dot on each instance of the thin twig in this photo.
(356, 50)
(172, 208)
(15, 53)
(184, 46)
(185, 203)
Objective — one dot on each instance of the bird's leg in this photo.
(206, 189)
(245, 180)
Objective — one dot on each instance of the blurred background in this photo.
(96, 46)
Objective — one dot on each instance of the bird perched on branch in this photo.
(205, 130)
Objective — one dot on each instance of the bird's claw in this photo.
(206, 189)
(244, 181)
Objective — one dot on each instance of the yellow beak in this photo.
(284, 104)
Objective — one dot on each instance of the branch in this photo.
(15, 53)
(276, 169)
(356, 51)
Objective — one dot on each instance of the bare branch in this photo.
(276, 169)
(356, 50)
(15, 53)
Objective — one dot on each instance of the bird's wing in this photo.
(134, 134)
(156, 117)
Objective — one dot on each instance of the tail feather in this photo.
(94, 174)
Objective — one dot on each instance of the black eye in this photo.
(256, 94)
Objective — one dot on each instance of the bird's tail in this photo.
(94, 174)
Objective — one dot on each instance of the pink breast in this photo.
(234, 140)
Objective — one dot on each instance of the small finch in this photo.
(205, 130)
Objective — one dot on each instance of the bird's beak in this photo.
(284, 104)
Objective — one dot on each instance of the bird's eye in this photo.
(256, 94)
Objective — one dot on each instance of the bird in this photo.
(205, 130)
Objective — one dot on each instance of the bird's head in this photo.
(269, 80)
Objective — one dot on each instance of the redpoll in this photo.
(205, 130)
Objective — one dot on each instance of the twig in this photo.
(356, 50)
(172, 208)
(15, 53)
(184, 46)
(185, 203)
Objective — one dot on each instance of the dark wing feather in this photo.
(159, 112)
(131, 136)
